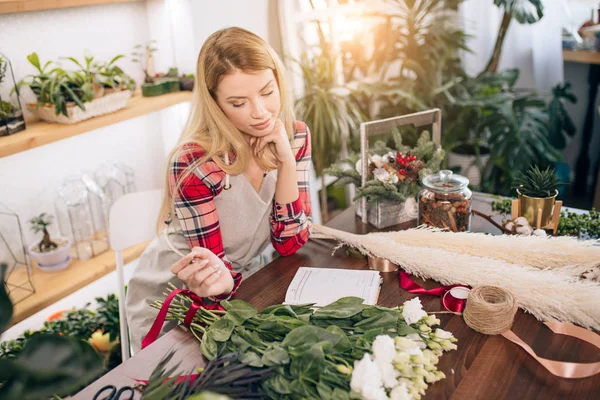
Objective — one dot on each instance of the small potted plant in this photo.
(154, 84)
(50, 254)
(537, 190)
(187, 82)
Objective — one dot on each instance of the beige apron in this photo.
(244, 220)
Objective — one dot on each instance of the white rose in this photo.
(383, 348)
(377, 160)
(381, 174)
(400, 392)
(413, 311)
(366, 379)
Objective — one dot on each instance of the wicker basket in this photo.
(100, 106)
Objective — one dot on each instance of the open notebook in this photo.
(326, 285)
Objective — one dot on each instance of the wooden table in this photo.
(483, 367)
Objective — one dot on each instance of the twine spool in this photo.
(490, 310)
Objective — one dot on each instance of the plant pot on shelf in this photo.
(53, 260)
(464, 157)
(537, 210)
(172, 85)
(152, 89)
(186, 83)
(103, 105)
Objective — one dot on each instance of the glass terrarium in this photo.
(82, 212)
(17, 280)
(115, 180)
(11, 113)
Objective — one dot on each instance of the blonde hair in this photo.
(224, 52)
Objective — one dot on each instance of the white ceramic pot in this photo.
(468, 165)
(51, 258)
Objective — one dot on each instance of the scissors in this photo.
(113, 394)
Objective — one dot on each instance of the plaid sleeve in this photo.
(195, 206)
(290, 222)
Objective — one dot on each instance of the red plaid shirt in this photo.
(196, 211)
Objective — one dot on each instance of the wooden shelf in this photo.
(15, 6)
(51, 287)
(581, 56)
(39, 133)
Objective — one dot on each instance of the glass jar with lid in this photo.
(445, 202)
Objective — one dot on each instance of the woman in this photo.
(237, 179)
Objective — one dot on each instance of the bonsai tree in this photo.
(537, 183)
(139, 54)
(41, 224)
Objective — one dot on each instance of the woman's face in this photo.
(251, 101)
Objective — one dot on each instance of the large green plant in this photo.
(50, 365)
(520, 127)
(325, 108)
(525, 12)
(415, 57)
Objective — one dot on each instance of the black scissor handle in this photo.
(111, 389)
(124, 390)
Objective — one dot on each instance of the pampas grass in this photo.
(550, 290)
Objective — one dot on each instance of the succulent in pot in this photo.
(49, 254)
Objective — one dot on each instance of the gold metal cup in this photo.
(382, 265)
(537, 210)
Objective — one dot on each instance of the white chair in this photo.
(132, 221)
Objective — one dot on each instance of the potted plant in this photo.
(187, 82)
(50, 255)
(70, 96)
(113, 78)
(537, 192)
(154, 84)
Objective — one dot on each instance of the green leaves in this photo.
(49, 365)
(309, 364)
(239, 311)
(221, 330)
(345, 307)
(524, 11)
(208, 346)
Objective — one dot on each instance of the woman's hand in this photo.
(278, 140)
(204, 273)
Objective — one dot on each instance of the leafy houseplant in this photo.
(154, 84)
(537, 190)
(74, 95)
(48, 365)
(325, 108)
(50, 255)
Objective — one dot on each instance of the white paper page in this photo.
(326, 285)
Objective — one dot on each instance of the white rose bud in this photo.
(342, 369)
(433, 345)
(447, 345)
(431, 320)
(424, 328)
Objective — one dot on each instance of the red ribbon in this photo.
(159, 321)
(448, 301)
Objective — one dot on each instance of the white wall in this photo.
(29, 181)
